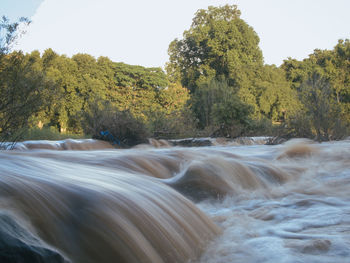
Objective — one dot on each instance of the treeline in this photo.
(216, 84)
(322, 82)
(234, 93)
(68, 92)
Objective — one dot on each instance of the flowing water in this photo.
(82, 202)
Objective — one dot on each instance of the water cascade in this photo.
(83, 201)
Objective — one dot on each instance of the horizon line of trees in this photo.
(216, 83)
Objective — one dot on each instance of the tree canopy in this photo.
(216, 83)
(219, 44)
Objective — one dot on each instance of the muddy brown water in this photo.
(257, 203)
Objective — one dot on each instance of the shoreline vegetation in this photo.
(215, 84)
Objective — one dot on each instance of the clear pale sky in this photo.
(139, 32)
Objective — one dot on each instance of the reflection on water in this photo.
(257, 203)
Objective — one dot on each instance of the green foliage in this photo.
(139, 77)
(49, 133)
(320, 116)
(299, 125)
(177, 124)
(82, 79)
(230, 111)
(65, 88)
(275, 100)
(173, 98)
(122, 127)
(320, 105)
(23, 93)
(21, 84)
(231, 115)
(218, 44)
(261, 127)
(216, 84)
(323, 85)
(216, 105)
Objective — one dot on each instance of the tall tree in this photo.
(219, 44)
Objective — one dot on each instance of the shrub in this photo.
(177, 124)
(106, 122)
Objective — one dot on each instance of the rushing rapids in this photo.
(257, 203)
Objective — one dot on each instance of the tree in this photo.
(22, 83)
(321, 106)
(66, 103)
(174, 119)
(323, 84)
(217, 107)
(231, 116)
(274, 97)
(219, 44)
(22, 94)
(139, 89)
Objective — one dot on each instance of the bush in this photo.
(321, 117)
(261, 127)
(106, 122)
(299, 126)
(178, 124)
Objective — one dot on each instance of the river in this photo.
(81, 201)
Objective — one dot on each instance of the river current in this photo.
(81, 201)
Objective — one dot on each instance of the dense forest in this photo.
(215, 84)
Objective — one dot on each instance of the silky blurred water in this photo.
(225, 203)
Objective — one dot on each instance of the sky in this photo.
(138, 32)
(14, 9)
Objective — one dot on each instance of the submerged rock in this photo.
(18, 245)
